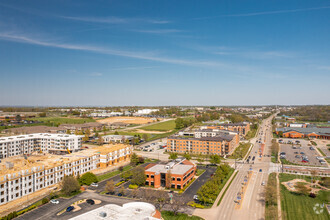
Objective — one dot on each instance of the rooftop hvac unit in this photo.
(103, 214)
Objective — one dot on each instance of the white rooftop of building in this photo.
(176, 168)
(129, 211)
(38, 135)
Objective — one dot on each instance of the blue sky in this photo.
(157, 52)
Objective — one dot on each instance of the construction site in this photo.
(127, 120)
(23, 175)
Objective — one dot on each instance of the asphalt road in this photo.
(253, 205)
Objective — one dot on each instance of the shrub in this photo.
(44, 201)
(312, 195)
(195, 205)
(119, 183)
(133, 186)
(87, 179)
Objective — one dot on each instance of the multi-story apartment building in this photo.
(179, 173)
(204, 141)
(220, 145)
(241, 128)
(45, 142)
(20, 177)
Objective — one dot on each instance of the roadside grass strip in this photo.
(223, 194)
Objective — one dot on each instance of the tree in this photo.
(145, 137)
(176, 204)
(187, 156)
(88, 132)
(110, 186)
(162, 199)
(122, 190)
(87, 179)
(200, 158)
(69, 185)
(100, 141)
(126, 175)
(18, 118)
(215, 159)
(134, 159)
(139, 177)
(168, 179)
(301, 188)
(76, 132)
(68, 131)
(116, 133)
(173, 156)
(42, 114)
(85, 138)
(104, 129)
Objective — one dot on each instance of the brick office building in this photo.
(241, 128)
(181, 173)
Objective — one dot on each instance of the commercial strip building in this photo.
(308, 132)
(118, 138)
(45, 142)
(179, 172)
(21, 176)
(241, 128)
(129, 211)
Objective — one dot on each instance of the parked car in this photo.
(195, 197)
(54, 201)
(263, 183)
(295, 152)
(297, 156)
(302, 153)
(119, 194)
(311, 148)
(260, 170)
(322, 162)
(90, 201)
(70, 208)
(319, 158)
(94, 185)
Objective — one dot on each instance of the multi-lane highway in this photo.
(253, 204)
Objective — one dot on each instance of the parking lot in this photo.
(295, 152)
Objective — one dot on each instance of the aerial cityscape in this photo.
(173, 110)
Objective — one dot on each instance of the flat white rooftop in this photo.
(129, 211)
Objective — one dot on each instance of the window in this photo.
(147, 175)
(178, 179)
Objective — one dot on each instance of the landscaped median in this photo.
(271, 210)
(208, 193)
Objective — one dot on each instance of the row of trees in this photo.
(71, 184)
(184, 122)
(275, 148)
(212, 158)
(210, 190)
(310, 113)
(271, 197)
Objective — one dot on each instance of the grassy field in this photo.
(295, 206)
(167, 215)
(271, 210)
(63, 120)
(162, 126)
(240, 151)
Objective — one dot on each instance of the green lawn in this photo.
(162, 126)
(295, 206)
(323, 154)
(167, 215)
(113, 173)
(63, 120)
(271, 210)
(240, 151)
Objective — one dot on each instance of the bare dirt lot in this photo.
(127, 120)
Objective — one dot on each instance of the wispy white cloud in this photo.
(114, 20)
(266, 13)
(144, 56)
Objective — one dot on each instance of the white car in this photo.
(54, 201)
(94, 185)
(195, 197)
(263, 183)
